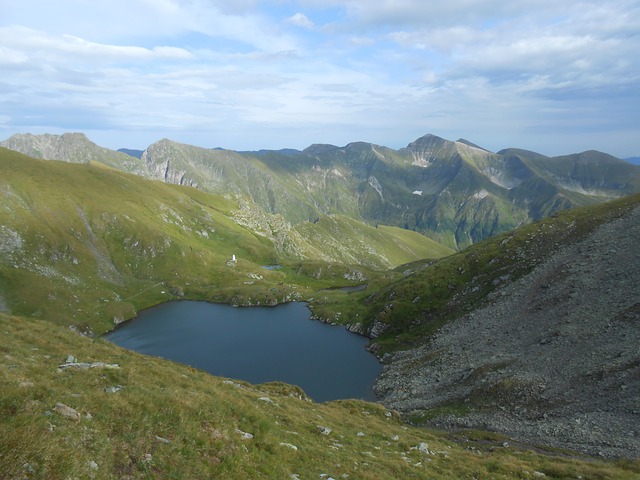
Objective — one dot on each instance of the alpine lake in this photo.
(256, 344)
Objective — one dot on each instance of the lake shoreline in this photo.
(209, 336)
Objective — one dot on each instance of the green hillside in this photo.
(87, 246)
(344, 240)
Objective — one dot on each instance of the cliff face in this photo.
(551, 358)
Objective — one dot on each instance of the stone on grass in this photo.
(113, 389)
(244, 435)
(423, 447)
(288, 445)
(67, 411)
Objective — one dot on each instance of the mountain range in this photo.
(530, 333)
(456, 193)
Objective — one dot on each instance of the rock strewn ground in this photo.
(554, 359)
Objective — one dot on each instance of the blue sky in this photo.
(554, 77)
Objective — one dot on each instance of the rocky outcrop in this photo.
(163, 165)
(553, 358)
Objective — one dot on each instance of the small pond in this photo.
(256, 344)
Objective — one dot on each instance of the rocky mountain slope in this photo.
(454, 192)
(540, 343)
(74, 148)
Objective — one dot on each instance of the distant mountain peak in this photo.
(70, 146)
(428, 139)
(73, 147)
(320, 149)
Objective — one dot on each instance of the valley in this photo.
(489, 331)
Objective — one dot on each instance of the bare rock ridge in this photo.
(553, 358)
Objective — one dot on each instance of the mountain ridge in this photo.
(454, 192)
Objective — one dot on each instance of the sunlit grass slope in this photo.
(82, 240)
(342, 239)
(85, 245)
(140, 417)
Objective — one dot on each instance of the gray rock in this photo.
(288, 445)
(423, 447)
(86, 366)
(114, 389)
(67, 412)
(377, 328)
(244, 435)
(3, 306)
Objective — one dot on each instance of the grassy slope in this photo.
(341, 239)
(84, 236)
(83, 245)
(171, 421)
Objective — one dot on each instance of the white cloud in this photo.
(33, 44)
(322, 70)
(9, 56)
(300, 20)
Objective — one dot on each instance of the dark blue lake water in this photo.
(256, 344)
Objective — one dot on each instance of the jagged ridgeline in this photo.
(453, 192)
(87, 245)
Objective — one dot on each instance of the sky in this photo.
(556, 77)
